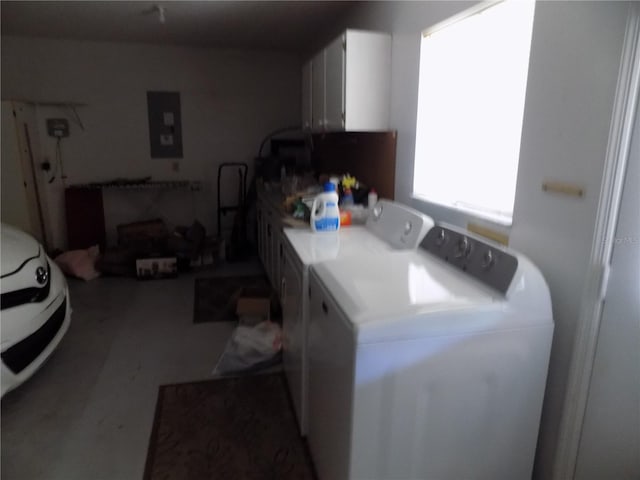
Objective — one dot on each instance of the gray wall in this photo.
(574, 67)
(230, 100)
(574, 64)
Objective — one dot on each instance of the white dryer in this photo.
(390, 226)
(428, 364)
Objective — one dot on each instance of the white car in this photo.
(35, 306)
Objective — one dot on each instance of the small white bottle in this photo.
(372, 198)
(325, 214)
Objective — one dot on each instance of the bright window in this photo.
(473, 76)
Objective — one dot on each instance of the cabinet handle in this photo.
(269, 230)
(325, 309)
(309, 292)
(281, 252)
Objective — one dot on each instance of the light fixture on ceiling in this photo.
(157, 9)
(161, 13)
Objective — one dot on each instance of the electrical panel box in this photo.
(165, 126)
(58, 127)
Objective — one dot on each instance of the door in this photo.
(293, 332)
(19, 202)
(334, 84)
(610, 441)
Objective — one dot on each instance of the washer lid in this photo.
(313, 247)
(391, 295)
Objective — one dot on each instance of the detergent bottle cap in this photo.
(329, 187)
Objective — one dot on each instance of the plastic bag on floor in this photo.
(251, 348)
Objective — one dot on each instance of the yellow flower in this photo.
(348, 181)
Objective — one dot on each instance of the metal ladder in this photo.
(239, 232)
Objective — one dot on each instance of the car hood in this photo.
(15, 248)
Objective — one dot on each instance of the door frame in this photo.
(618, 150)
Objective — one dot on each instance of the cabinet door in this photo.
(367, 80)
(317, 91)
(268, 245)
(260, 237)
(277, 254)
(307, 95)
(334, 84)
(293, 332)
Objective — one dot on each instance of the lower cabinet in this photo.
(268, 248)
(269, 228)
(261, 232)
(276, 261)
(293, 303)
(273, 249)
(288, 278)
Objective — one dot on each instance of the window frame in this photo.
(460, 211)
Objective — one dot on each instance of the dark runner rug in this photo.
(216, 297)
(240, 428)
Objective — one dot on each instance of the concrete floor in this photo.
(87, 414)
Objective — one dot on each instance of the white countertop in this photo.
(313, 247)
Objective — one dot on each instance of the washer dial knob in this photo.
(488, 259)
(463, 249)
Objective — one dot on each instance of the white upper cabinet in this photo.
(351, 83)
(307, 119)
(334, 82)
(317, 91)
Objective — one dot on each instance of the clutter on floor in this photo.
(146, 250)
(241, 427)
(251, 348)
(256, 343)
(216, 298)
(79, 263)
(156, 267)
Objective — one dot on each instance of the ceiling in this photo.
(273, 25)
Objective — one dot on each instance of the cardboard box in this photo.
(145, 236)
(253, 310)
(254, 307)
(160, 267)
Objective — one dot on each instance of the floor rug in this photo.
(216, 297)
(240, 428)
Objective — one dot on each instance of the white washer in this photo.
(428, 364)
(390, 226)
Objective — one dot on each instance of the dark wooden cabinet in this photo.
(85, 218)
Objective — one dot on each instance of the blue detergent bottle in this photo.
(325, 214)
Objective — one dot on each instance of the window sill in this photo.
(501, 221)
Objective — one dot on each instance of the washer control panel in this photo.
(488, 263)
